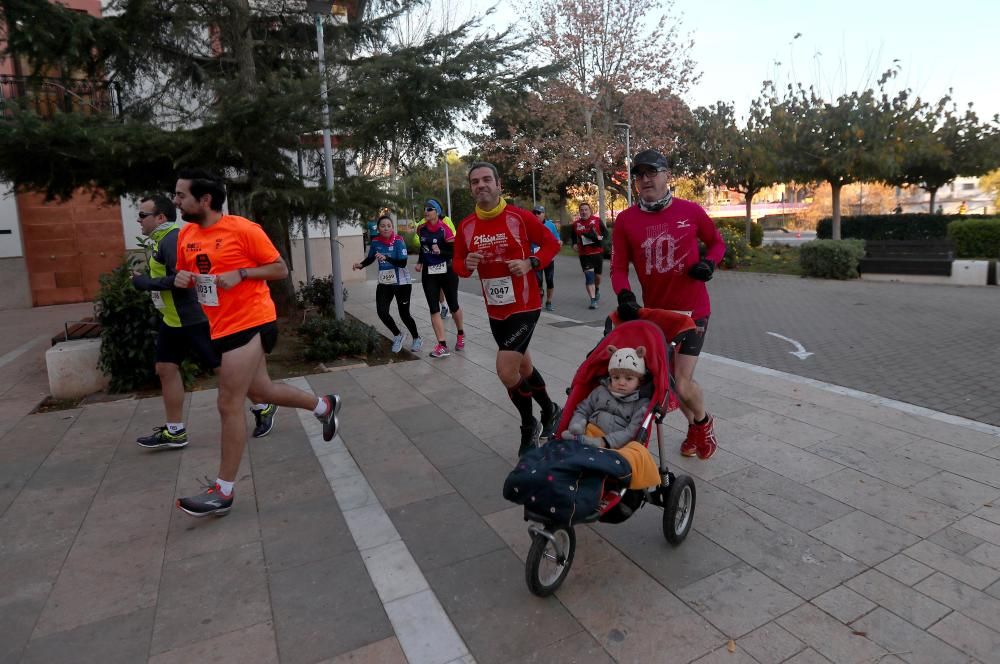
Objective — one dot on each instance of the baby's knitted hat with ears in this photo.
(628, 359)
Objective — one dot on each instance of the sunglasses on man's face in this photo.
(143, 215)
(430, 209)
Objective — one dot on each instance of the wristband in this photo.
(243, 274)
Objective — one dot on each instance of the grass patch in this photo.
(774, 259)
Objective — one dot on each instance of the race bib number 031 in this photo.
(499, 291)
(208, 294)
(387, 277)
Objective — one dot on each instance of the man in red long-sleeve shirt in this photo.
(659, 236)
(496, 242)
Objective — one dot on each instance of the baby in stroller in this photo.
(612, 413)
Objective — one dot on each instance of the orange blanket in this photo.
(645, 474)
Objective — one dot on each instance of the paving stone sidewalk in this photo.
(829, 527)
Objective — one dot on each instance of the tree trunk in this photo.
(241, 42)
(602, 204)
(835, 190)
(749, 200)
(933, 192)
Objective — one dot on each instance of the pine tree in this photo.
(232, 85)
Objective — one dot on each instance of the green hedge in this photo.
(739, 225)
(831, 259)
(889, 226)
(975, 238)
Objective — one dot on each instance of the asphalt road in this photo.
(933, 346)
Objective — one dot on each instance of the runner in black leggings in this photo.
(394, 281)
(437, 245)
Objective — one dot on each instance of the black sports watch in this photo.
(535, 263)
(243, 274)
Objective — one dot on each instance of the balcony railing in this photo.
(47, 96)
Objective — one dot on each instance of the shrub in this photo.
(740, 226)
(831, 259)
(737, 249)
(317, 293)
(890, 227)
(329, 338)
(975, 238)
(128, 330)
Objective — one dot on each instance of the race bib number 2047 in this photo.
(499, 291)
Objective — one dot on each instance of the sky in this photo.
(844, 45)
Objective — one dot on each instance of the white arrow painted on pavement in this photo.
(800, 350)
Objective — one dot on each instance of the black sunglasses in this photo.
(430, 209)
(143, 215)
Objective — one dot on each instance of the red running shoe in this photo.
(703, 436)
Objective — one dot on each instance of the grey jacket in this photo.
(620, 418)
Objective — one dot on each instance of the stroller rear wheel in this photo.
(549, 558)
(678, 513)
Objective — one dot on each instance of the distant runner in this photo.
(439, 281)
(588, 236)
(394, 282)
(549, 271)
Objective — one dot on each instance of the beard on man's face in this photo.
(193, 217)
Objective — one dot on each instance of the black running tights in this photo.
(384, 294)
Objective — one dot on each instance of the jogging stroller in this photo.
(553, 542)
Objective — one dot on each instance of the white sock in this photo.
(321, 408)
(260, 406)
(174, 427)
(226, 487)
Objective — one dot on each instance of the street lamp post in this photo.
(321, 7)
(628, 159)
(447, 180)
(534, 201)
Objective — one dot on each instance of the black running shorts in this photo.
(514, 332)
(593, 262)
(268, 337)
(690, 342)
(175, 344)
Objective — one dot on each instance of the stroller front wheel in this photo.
(549, 558)
(678, 513)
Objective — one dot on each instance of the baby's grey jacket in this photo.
(620, 418)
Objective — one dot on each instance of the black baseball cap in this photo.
(652, 158)
(538, 208)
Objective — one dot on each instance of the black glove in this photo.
(702, 270)
(628, 308)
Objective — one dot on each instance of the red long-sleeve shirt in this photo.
(663, 246)
(505, 237)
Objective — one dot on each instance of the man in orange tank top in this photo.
(229, 260)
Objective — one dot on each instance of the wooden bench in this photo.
(926, 257)
(78, 329)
